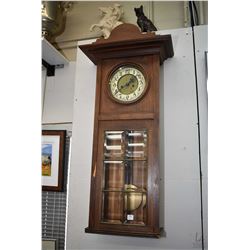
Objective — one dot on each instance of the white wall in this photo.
(181, 168)
(181, 182)
(201, 46)
(58, 95)
(43, 84)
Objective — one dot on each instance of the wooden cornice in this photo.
(126, 40)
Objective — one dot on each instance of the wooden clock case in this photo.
(127, 46)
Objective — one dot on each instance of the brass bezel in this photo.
(132, 65)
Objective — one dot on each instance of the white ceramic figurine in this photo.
(110, 20)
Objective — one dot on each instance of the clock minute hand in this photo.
(131, 80)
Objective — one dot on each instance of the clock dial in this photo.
(127, 84)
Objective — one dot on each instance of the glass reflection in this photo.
(136, 144)
(114, 144)
(112, 209)
(124, 183)
(113, 175)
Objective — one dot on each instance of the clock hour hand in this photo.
(131, 80)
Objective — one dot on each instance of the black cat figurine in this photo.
(143, 22)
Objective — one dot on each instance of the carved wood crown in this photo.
(126, 40)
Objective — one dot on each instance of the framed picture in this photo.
(53, 143)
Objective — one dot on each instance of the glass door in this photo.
(124, 178)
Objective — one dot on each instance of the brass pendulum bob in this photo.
(133, 199)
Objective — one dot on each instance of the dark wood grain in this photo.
(127, 46)
(126, 31)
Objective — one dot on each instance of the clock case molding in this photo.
(127, 45)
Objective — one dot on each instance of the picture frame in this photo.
(53, 147)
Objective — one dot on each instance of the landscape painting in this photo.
(52, 156)
(46, 159)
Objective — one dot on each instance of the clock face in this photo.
(127, 84)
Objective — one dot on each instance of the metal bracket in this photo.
(50, 68)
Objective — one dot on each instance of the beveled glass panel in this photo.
(113, 144)
(140, 175)
(113, 175)
(124, 184)
(112, 207)
(136, 144)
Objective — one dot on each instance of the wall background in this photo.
(57, 100)
(164, 14)
(57, 114)
(181, 205)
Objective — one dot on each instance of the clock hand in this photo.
(131, 80)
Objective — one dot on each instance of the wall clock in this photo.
(127, 84)
(124, 195)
